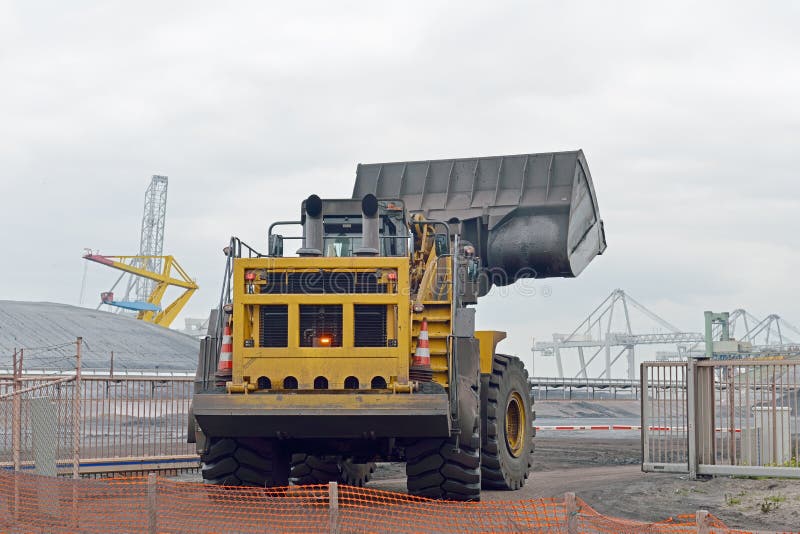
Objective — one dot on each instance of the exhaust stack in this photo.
(313, 231)
(370, 237)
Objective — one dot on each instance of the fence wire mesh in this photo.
(121, 423)
(31, 503)
(37, 424)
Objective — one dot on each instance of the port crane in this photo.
(170, 275)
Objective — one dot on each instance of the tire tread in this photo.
(499, 469)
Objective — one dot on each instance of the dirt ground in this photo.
(604, 469)
(606, 473)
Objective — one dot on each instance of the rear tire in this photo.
(506, 455)
(309, 469)
(354, 474)
(245, 462)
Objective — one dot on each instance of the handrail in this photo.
(234, 250)
(452, 252)
(282, 223)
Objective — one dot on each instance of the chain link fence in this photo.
(40, 421)
(91, 424)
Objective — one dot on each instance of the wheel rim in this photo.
(515, 425)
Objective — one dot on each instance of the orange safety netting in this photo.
(30, 503)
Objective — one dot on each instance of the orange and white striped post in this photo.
(225, 366)
(421, 362)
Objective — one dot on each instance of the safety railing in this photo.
(39, 418)
(729, 417)
(95, 424)
(584, 382)
(135, 424)
(664, 417)
(752, 426)
(568, 388)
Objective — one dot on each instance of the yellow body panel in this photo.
(488, 340)
(334, 363)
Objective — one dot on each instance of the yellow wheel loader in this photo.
(362, 346)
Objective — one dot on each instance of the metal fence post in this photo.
(705, 415)
(691, 414)
(644, 413)
(152, 503)
(701, 420)
(16, 433)
(76, 413)
(572, 512)
(16, 411)
(333, 503)
(702, 522)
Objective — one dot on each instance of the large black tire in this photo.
(245, 462)
(435, 470)
(310, 469)
(507, 451)
(354, 474)
(450, 468)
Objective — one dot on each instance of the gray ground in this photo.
(606, 473)
(603, 469)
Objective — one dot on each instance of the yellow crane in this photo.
(171, 275)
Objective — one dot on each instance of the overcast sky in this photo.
(688, 114)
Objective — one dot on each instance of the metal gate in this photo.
(730, 417)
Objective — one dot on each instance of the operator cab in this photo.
(342, 228)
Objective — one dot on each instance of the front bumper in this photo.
(309, 415)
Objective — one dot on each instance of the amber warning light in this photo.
(325, 341)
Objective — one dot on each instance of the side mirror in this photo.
(275, 245)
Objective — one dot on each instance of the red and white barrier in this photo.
(626, 427)
(589, 427)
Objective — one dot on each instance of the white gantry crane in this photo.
(609, 330)
(599, 333)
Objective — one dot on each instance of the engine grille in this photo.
(323, 282)
(370, 325)
(317, 320)
(274, 325)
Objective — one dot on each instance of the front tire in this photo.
(435, 469)
(245, 462)
(506, 455)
